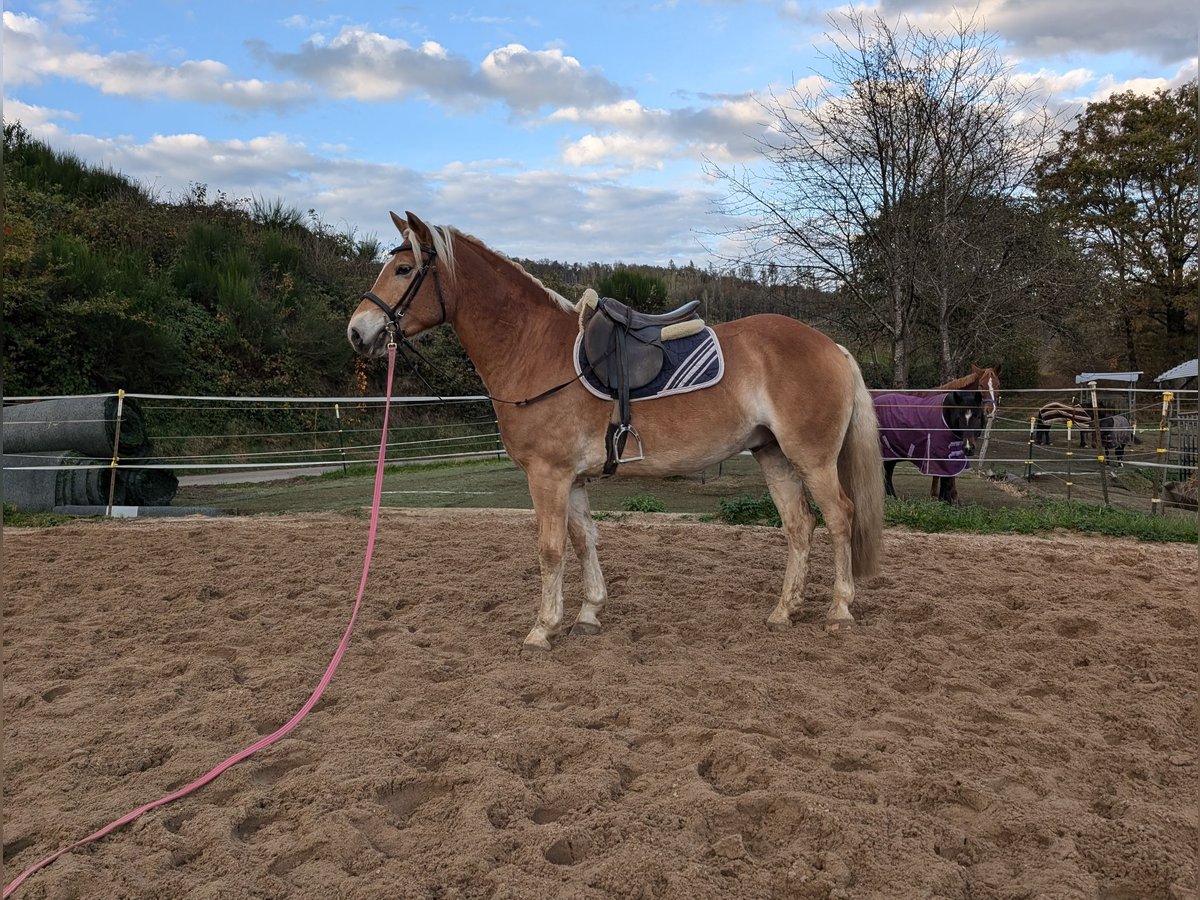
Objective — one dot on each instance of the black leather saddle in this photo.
(624, 348)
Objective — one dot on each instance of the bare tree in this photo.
(881, 183)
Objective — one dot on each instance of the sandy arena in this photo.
(1013, 717)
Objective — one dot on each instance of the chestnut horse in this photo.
(987, 382)
(789, 394)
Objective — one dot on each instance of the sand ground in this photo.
(1013, 717)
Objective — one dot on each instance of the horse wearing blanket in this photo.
(787, 393)
(987, 382)
(1056, 413)
(935, 433)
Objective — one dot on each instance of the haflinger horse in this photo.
(987, 382)
(790, 395)
(937, 433)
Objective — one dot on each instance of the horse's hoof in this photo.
(585, 629)
(535, 644)
(839, 626)
(775, 625)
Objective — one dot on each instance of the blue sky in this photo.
(574, 131)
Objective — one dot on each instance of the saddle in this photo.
(624, 349)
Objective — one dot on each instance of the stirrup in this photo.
(620, 432)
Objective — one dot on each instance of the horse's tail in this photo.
(860, 470)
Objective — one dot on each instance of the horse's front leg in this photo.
(947, 492)
(584, 537)
(550, 491)
(888, 468)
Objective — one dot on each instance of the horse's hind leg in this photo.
(582, 531)
(838, 511)
(787, 490)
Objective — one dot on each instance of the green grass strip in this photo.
(1042, 516)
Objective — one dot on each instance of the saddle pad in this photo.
(689, 364)
(912, 428)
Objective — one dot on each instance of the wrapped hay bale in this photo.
(86, 425)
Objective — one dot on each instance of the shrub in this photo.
(643, 503)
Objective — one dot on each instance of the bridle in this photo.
(397, 311)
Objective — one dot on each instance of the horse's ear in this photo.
(975, 370)
(400, 224)
(996, 368)
(420, 230)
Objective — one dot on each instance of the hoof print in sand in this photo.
(567, 851)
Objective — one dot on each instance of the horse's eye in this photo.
(403, 269)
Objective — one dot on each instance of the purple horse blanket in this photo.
(912, 427)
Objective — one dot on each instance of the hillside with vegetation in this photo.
(107, 286)
(1091, 265)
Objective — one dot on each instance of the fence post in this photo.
(1070, 453)
(337, 411)
(1164, 423)
(1099, 441)
(112, 466)
(981, 460)
(1029, 456)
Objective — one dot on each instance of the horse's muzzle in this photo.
(366, 338)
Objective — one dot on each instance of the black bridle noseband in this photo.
(396, 312)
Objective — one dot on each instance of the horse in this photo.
(985, 380)
(1056, 412)
(788, 394)
(1116, 433)
(936, 433)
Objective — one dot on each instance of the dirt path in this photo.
(1012, 718)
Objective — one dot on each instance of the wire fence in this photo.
(211, 435)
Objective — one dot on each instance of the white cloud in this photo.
(528, 80)
(72, 11)
(641, 152)
(374, 67)
(37, 119)
(302, 22)
(1162, 30)
(34, 52)
(1108, 85)
(633, 135)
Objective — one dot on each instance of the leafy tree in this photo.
(914, 140)
(643, 292)
(1123, 183)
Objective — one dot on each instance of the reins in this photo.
(308, 705)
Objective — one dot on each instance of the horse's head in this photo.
(402, 299)
(988, 382)
(964, 415)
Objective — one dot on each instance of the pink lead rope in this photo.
(304, 710)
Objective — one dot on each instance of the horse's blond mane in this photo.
(446, 231)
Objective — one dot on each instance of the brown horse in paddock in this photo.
(789, 394)
(987, 382)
